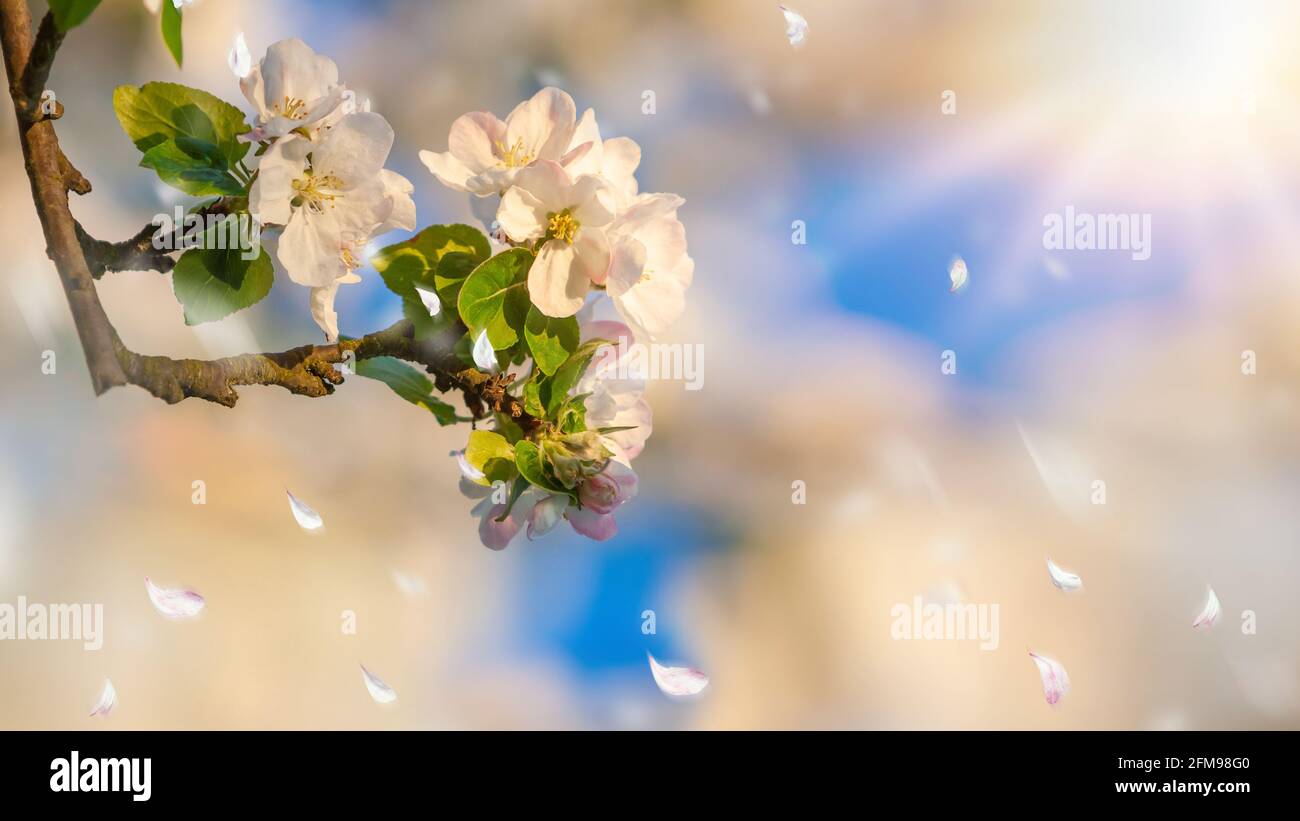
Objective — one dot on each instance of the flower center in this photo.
(562, 226)
(292, 108)
(316, 193)
(645, 274)
(516, 156)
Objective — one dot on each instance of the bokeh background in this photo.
(822, 365)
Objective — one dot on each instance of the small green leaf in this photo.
(490, 453)
(189, 137)
(171, 29)
(195, 175)
(418, 260)
(528, 459)
(211, 282)
(495, 297)
(68, 14)
(550, 339)
(556, 391)
(408, 383)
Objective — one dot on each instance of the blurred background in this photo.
(822, 366)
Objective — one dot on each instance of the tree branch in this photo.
(37, 72)
(47, 171)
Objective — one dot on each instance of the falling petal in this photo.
(174, 604)
(308, 519)
(379, 691)
(1210, 613)
(241, 62)
(677, 681)
(1063, 579)
(484, 356)
(796, 28)
(410, 584)
(107, 699)
(431, 302)
(1056, 268)
(958, 274)
(1056, 683)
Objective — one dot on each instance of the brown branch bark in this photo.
(47, 172)
(80, 259)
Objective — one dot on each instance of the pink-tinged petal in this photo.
(678, 682)
(398, 191)
(591, 255)
(322, 306)
(587, 205)
(174, 603)
(521, 215)
(410, 584)
(450, 171)
(557, 285)
(548, 182)
(310, 249)
(543, 125)
(1209, 613)
(357, 148)
(1056, 683)
(622, 156)
(292, 70)
(272, 193)
(107, 700)
(379, 691)
(473, 139)
(597, 526)
(587, 134)
(627, 263)
(240, 61)
(1062, 578)
(306, 518)
(574, 156)
(467, 470)
(546, 514)
(497, 535)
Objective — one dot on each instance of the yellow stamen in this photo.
(562, 226)
(292, 108)
(515, 156)
(316, 193)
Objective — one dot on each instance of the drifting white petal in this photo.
(430, 299)
(1063, 579)
(307, 518)
(1056, 682)
(1210, 613)
(379, 691)
(796, 28)
(958, 274)
(174, 604)
(410, 584)
(467, 470)
(484, 356)
(241, 62)
(677, 681)
(107, 699)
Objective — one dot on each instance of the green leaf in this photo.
(418, 260)
(159, 112)
(528, 459)
(408, 383)
(550, 339)
(495, 297)
(453, 269)
(212, 282)
(69, 14)
(556, 391)
(490, 453)
(195, 174)
(171, 29)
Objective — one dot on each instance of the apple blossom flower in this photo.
(649, 268)
(563, 217)
(485, 155)
(605, 491)
(596, 526)
(614, 161)
(615, 397)
(294, 90)
(331, 197)
(546, 514)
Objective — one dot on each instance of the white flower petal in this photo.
(1210, 613)
(174, 603)
(241, 62)
(307, 518)
(521, 215)
(796, 28)
(379, 691)
(467, 470)
(410, 584)
(107, 700)
(1056, 683)
(484, 356)
(432, 303)
(677, 681)
(1063, 579)
(958, 274)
